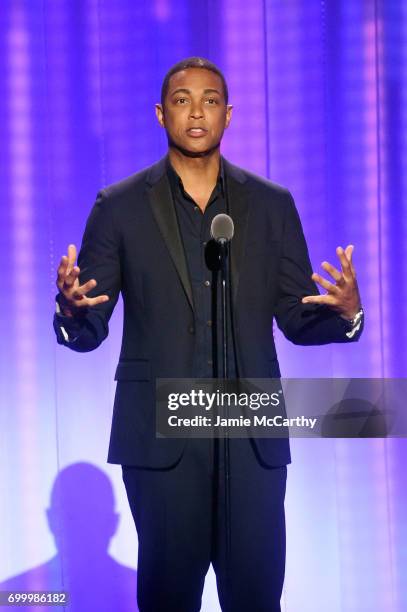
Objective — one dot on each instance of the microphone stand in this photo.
(222, 230)
(225, 375)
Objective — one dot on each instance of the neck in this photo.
(196, 170)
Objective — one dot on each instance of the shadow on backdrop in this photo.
(82, 520)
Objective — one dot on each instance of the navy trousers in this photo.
(180, 518)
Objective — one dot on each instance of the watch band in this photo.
(355, 323)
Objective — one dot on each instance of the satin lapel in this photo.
(239, 209)
(164, 213)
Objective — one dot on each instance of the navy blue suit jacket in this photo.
(132, 245)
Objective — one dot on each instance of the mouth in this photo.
(196, 132)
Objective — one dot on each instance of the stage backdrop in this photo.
(320, 105)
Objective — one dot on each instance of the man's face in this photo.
(195, 114)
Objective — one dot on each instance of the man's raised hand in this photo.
(73, 296)
(343, 296)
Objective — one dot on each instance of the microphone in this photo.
(222, 228)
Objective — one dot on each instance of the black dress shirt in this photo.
(202, 256)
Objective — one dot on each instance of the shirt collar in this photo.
(176, 181)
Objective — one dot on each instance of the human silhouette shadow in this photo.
(82, 520)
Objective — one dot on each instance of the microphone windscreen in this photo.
(222, 228)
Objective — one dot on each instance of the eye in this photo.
(212, 101)
(180, 101)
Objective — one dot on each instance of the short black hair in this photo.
(193, 62)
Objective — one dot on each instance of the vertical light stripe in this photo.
(366, 571)
(244, 65)
(93, 79)
(374, 178)
(362, 493)
(25, 270)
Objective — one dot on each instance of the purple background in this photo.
(320, 105)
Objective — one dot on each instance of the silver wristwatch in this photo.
(355, 323)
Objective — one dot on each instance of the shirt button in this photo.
(204, 243)
(196, 208)
(191, 329)
(209, 323)
(207, 283)
(210, 362)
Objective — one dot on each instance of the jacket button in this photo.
(207, 283)
(191, 329)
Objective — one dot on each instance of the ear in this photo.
(159, 111)
(229, 109)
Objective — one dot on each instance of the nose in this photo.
(196, 111)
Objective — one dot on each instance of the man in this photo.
(148, 236)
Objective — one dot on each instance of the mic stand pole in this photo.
(223, 280)
(224, 318)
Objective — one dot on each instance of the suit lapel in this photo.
(238, 209)
(164, 212)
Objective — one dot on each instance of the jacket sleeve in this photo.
(303, 323)
(99, 258)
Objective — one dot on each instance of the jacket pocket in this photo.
(135, 369)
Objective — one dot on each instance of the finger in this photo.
(63, 264)
(334, 272)
(318, 299)
(83, 301)
(325, 283)
(85, 288)
(100, 299)
(71, 277)
(349, 253)
(346, 269)
(62, 275)
(61, 271)
(71, 256)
